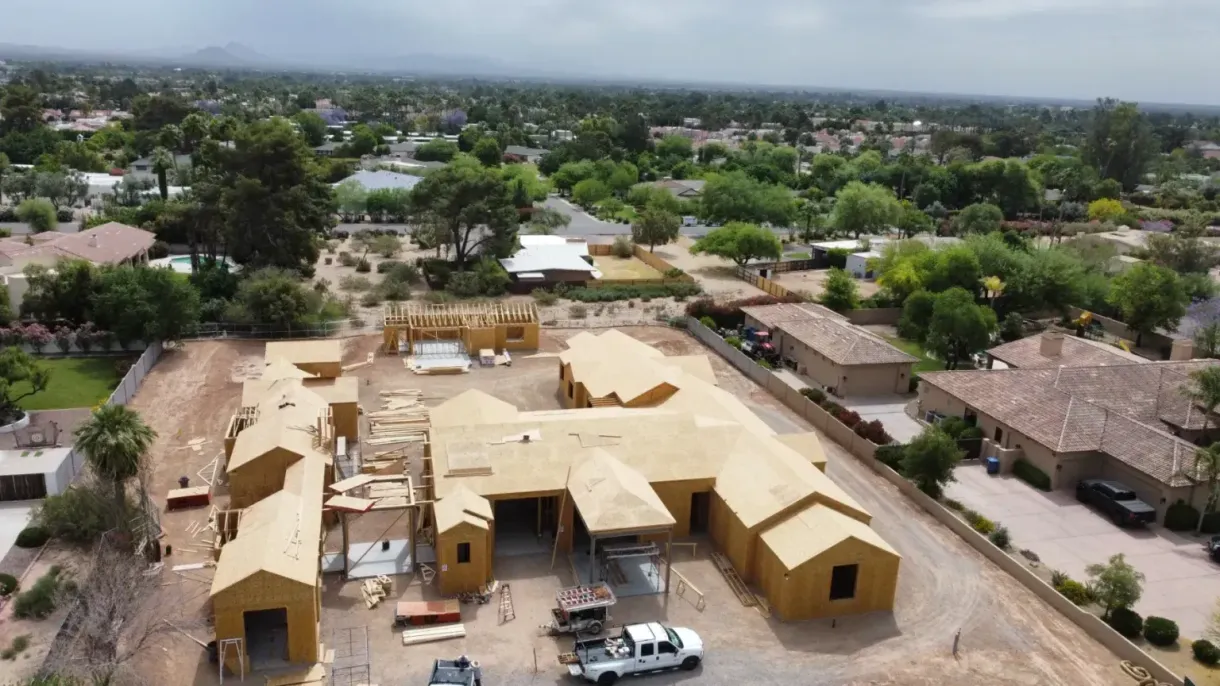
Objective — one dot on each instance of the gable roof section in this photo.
(279, 534)
(461, 506)
(306, 352)
(828, 333)
(614, 498)
(291, 429)
(1121, 410)
(472, 407)
(816, 530)
(1026, 353)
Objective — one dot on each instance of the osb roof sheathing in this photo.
(614, 363)
(612, 497)
(807, 444)
(331, 391)
(278, 368)
(815, 530)
(461, 506)
(291, 428)
(306, 352)
(340, 390)
(279, 534)
(471, 407)
(288, 393)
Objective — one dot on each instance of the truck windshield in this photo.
(673, 637)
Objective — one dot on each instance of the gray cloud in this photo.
(1151, 50)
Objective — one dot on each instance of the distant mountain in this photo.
(231, 55)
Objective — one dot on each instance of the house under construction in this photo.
(410, 327)
(653, 450)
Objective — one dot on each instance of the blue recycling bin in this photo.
(993, 465)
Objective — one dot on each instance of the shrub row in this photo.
(872, 431)
(612, 293)
(1027, 472)
(729, 314)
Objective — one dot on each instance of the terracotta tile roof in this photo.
(1026, 353)
(106, 244)
(828, 333)
(1125, 411)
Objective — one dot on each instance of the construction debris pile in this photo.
(375, 590)
(401, 419)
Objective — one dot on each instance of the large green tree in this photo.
(929, 460)
(841, 293)
(1149, 297)
(20, 377)
(115, 441)
(473, 207)
(272, 199)
(978, 218)
(865, 208)
(959, 328)
(739, 242)
(655, 227)
(1120, 143)
(313, 127)
(736, 197)
(1116, 584)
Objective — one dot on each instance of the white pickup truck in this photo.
(637, 649)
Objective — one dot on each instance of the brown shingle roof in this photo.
(1026, 353)
(828, 333)
(1121, 410)
(106, 244)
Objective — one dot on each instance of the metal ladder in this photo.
(507, 613)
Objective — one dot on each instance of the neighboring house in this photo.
(403, 149)
(111, 243)
(1126, 422)
(143, 167)
(379, 179)
(1053, 350)
(1157, 226)
(857, 264)
(35, 473)
(1125, 240)
(523, 154)
(546, 260)
(327, 149)
(407, 164)
(682, 188)
(824, 346)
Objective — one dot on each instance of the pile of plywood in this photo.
(428, 634)
(375, 590)
(401, 419)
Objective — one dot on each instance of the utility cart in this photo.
(581, 610)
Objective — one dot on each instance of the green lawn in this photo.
(75, 382)
(926, 363)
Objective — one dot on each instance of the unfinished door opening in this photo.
(700, 507)
(524, 526)
(843, 582)
(267, 638)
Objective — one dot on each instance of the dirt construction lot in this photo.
(1009, 637)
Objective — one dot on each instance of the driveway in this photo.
(13, 518)
(1180, 582)
(890, 411)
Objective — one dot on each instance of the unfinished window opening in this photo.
(999, 435)
(463, 553)
(514, 334)
(843, 582)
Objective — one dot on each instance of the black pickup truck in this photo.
(1116, 500)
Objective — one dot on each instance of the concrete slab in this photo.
(13, 518)
(643, 578)
(1180, 582)
(369, 560)
(890, 411)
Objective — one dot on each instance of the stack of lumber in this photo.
(428, 634)
(375, 590)
(358, 365)
(401, 419)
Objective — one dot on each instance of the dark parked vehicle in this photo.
(1213, 548)
(1117, 501)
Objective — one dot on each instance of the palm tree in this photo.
(115, 440)
(1207, 469)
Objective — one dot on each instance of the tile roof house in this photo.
(837, 354)
(1127, 421)
(1058, 350)
(682, 188)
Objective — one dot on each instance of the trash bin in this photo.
(993, 465)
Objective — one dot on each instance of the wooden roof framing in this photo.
(459, 315)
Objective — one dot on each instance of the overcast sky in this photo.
(1149, 50)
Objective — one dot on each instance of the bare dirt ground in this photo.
(333, 274)
(713, 273)
(624, 268)
(1009, 637)
(814, 282)
(40, 632)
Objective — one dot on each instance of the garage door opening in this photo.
(525, 526)
(267, 638)
(700, 507)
